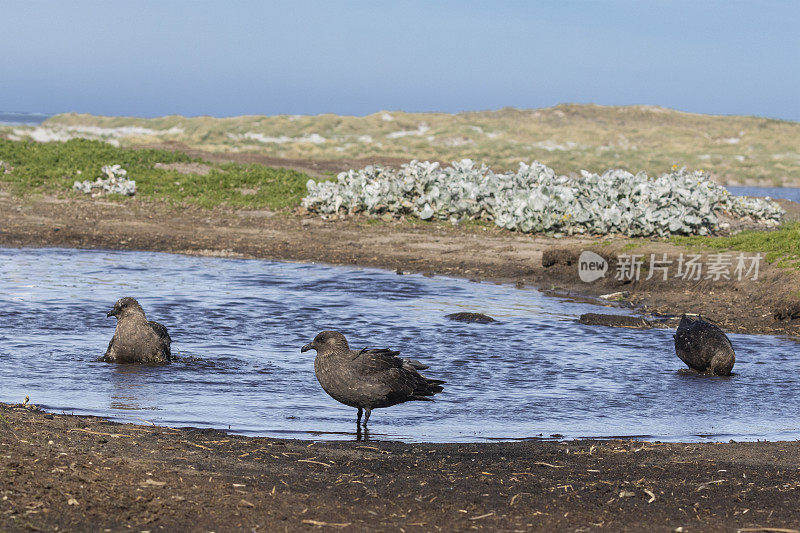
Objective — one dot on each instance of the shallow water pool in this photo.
(788, 193)
(238, 325)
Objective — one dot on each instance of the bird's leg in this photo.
(366, 416)
(358, 417)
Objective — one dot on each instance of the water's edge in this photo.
(359, 284)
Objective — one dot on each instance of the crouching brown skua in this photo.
(136, 339)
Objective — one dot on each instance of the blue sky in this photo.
(151, 58)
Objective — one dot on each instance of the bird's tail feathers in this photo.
(431, 387)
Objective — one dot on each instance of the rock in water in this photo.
(704, 347)
(368, 379)
(136, 339)
(615, 321)
(470, 317)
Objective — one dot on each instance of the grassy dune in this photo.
(735, 149)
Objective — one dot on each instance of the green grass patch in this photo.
(54, 167)
(781, 246)
(631, 246)
(478, 224)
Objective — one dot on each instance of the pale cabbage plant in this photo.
(537, 200)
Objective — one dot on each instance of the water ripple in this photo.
(237, 326)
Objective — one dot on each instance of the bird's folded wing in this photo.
(377, 360)
(110, 344)
(161, 331)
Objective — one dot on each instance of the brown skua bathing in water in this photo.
(704, 347)
(368, 379)
(136, 339)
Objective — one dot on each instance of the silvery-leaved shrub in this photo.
(115, 182)
(534, 199)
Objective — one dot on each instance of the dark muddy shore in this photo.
(63, 472)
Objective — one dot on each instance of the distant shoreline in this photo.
(636, 107)
(8, 118)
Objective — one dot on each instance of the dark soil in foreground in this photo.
(63, 472)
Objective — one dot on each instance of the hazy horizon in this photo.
(48, 115)
(151, 59)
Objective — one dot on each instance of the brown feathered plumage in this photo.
(368, 379)
(136, 339)
(704, 347)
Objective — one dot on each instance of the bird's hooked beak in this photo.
(306, 348)
(113, 312)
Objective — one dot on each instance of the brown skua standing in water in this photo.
(368, 379)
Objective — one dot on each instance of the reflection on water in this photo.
(128, 388)
(238, 325)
